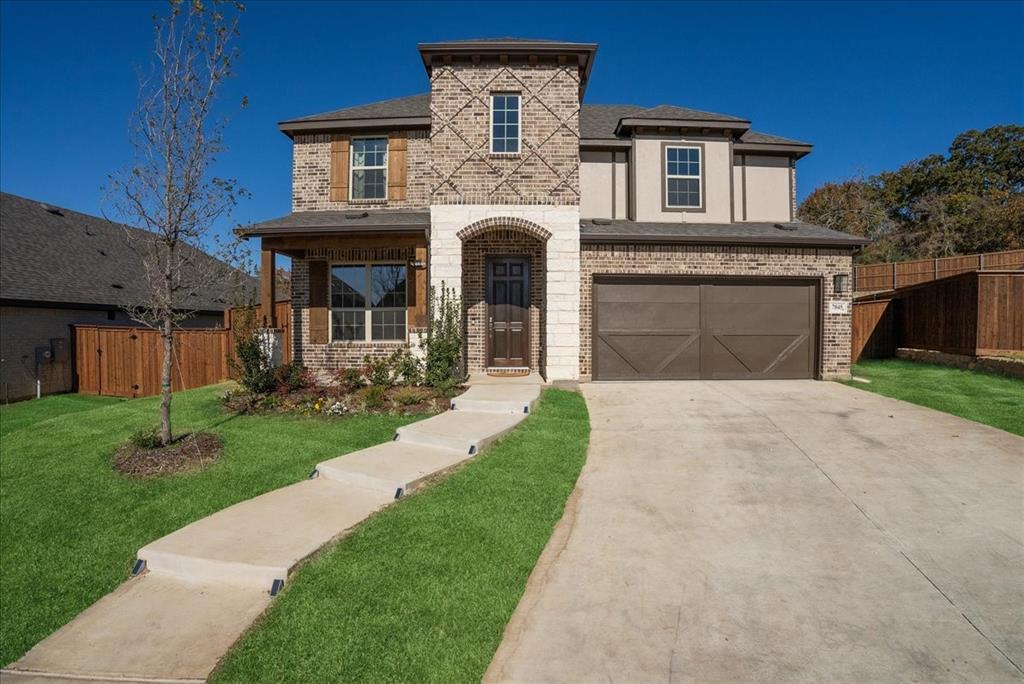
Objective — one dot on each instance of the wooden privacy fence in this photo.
(122, 361)
(890, 276)
(980, 313)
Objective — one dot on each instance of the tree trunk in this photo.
(167, 334)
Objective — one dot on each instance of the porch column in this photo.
(268, 287)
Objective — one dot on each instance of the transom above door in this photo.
(508, 312)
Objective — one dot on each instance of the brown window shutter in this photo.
(339, 169)
(318, 311)
(397, 147)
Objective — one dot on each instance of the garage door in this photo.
(724, 329)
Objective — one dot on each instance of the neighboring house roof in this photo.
(747, 233)
(334, 222)
(598, 122)
(58, 256)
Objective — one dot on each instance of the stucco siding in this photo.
(649, 184)
(767, 188)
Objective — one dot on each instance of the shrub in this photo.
(379, 371)
(292, 377)
(252, 363)
(351, 379)
(409, 396)
(448, 388)
(406, 368)
(373, 397)
(146, 438)
(444, 339)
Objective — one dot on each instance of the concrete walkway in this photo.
(205, 584)
(788, 531)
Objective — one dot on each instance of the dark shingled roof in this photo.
(749, 233)
(352, 221)
(55, 255)
(597, 121)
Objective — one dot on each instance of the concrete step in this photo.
(462, 431)
(495, 398)
(391, 466)
(151, 628)
(260, 540)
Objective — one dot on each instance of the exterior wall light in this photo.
(416, 263)
(841, 283)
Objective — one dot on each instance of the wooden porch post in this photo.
(268, 287)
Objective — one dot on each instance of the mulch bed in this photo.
(337, 401)
(188, 453)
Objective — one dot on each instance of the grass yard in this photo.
(70, 525)
(422, 591)
(25, 413)
(983, 397)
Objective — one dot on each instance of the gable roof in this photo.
(598, 122)
(59, 256)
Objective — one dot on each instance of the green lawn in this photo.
(70, 525)
(24, 413)
(422, 591)
(983, 397)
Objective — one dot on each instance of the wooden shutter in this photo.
(339, 169)
(397, 146)
(319, 314)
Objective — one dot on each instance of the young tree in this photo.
(168, 191)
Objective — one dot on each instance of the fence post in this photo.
(894, 275)
(981, 262)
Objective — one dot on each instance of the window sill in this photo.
(504, 155)
(366, 343)
(365, 202)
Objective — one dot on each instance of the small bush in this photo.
(373, 397)
(444, 339)
(406, 368)
(379, 371)
(350, 379)
(448, 387)
(409, 396)
(146, 438)
(292, 377)
(252, 366)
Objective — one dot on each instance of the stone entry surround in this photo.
(559, 228)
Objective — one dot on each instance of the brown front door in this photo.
(508, 312)
(712, 329)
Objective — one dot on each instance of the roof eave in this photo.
(299, 126)
(634, 122)
(782, 241)
(312, 231)
(797, 150)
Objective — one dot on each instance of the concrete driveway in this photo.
(778, 531)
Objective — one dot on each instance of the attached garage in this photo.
(683, 328)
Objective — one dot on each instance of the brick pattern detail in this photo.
(311, 175)
(517, 224)
(325, 360)
(500, 242)
(546, 169)
(725, 260)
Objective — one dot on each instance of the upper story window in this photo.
(683, 177)
(368, 302)
(505, 123)
(369, 169)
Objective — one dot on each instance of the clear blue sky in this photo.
(871, 84)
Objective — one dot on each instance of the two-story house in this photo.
(586, 241)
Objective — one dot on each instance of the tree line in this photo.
(968, 201)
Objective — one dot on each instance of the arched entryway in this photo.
(503, 289)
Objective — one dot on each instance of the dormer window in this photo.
(369, 169)
(683, 177)
(505, 123)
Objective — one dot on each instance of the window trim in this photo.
(352, 169)
(519, 127)
(367, 310)
(665, 206)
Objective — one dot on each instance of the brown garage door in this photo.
(676, 329)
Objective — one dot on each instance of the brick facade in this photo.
(502, 242)
(546, 169)
(311, 175)
(325, 360)
(728, 261)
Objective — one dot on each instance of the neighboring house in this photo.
(587, 241)
(59, 267)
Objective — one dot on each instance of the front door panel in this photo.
(508, 312)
